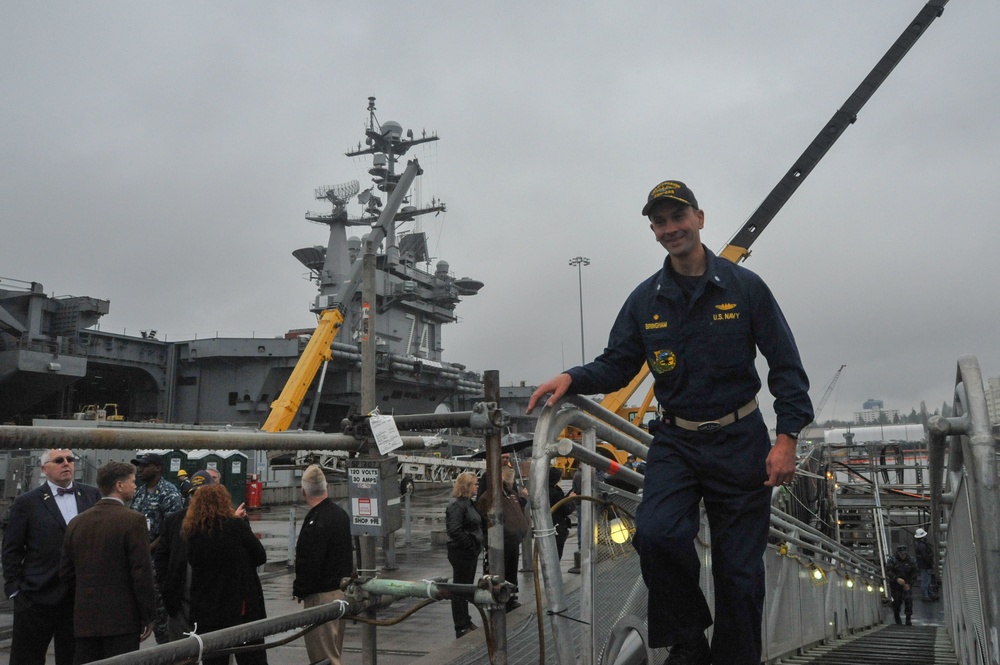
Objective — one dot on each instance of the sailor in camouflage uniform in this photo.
(155, 497)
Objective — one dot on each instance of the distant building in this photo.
(993, 399)
(876, 416)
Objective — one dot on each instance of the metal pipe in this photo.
(488, 590)
(614, 429)
(494, 520)
(191, 647)
(485, 415)
(545, 537)
(782, 519)
(980, 454)
(567, 448)
(587, 551)
(314, 409)
(369, 635)
(13, 437)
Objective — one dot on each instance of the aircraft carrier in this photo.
(55, 363)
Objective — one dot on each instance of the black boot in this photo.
(695, 652)
(459, 632)
(899, 622)
(908, 622)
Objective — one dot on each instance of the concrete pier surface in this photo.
(427, 631)
(428, 636)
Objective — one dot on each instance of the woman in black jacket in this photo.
(224, 555)
(561, 515)
(465, 542)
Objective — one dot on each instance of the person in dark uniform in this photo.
(698, 323)
(902, 573)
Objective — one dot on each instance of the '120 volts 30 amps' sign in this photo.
(373, 490)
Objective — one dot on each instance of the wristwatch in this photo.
(794, 435)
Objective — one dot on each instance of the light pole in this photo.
(579, 262)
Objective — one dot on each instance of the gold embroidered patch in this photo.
(663, 361)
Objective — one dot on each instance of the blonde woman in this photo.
(465, 542)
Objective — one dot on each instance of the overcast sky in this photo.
(162, 156)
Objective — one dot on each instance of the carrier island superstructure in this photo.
(55, 363)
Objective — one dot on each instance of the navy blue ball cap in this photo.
(148, 458)
(673, 190)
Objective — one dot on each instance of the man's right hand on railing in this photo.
(557, 385)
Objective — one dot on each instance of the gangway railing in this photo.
(818, 590)
(965, 510)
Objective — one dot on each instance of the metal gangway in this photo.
(818, 590)
(823, 603)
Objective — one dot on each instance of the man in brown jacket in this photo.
(106, 559)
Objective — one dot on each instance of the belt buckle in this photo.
(710, 426)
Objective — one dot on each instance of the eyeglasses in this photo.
(60, 460)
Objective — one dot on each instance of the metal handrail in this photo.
(793, 538)
(965, 510)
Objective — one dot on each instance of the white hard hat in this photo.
(920, 534)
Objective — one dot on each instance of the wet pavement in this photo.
(428, 631)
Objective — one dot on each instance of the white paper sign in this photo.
(386, 435)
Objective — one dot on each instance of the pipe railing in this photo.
(484, 416)
(361, 594)
(801, 542)
(965, 512)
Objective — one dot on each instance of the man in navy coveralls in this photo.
(698, 323)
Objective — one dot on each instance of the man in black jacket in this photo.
(323, 556)
(32, 543)
(902, 574)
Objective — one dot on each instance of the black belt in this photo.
(713, 425)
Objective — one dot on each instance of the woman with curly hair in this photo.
(224, 555)
(465, 541)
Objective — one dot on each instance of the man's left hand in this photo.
(781, 461)
(146, 632)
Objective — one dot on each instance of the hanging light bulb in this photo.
(619, 531)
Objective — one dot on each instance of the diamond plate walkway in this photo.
(884, 645)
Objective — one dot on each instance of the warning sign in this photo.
(364, 507)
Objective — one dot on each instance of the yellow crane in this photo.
(284, 408)
(738, 247)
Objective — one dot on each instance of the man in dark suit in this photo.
(32, 542)
(106, 558)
